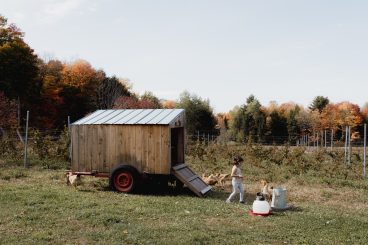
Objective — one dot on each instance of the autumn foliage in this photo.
(289, 121)
(53, 90)
(126, 102)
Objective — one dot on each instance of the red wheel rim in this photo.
(123, 181)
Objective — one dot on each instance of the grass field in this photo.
(36, 207)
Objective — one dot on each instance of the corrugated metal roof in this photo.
(90, 116)
(99, 117)
(131, 117)
(160, 117)
(122, 114)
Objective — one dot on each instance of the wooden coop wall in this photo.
(102, 147)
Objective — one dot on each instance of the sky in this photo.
(223, 51)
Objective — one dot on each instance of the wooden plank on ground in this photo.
(190, 179)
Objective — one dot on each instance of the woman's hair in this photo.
(238, 159)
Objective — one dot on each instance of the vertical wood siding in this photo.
(102, 147)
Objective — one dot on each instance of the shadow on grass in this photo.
(220, 194)
(158, 190)
(292, 208)
(282, 212)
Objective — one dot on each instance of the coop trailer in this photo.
(130, 146)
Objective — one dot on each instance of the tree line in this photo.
(53, 90)
(289, 121)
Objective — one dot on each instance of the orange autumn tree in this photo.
(223, 121)
(365, 112)
(169, 104)
(330, 117)
(79, 74)
(348, 114)
(80, 91)
(285, 108)
(50, 94)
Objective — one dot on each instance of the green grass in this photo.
(36, 207)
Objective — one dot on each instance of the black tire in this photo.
(124, 178)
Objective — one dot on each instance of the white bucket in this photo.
(279, 198)
(261, 207)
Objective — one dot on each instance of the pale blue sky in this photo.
(281, 50)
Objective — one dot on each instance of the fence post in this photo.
(26, 144)
(365, 151)
(322, 139)
(325, 138)
(70, 138)
(332, 132)
(308, 141)
(349, 149)
(346, 144)
(317, 140)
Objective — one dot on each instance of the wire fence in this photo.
(309, 141)
(32, 143)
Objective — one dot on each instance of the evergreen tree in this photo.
(292, 124)
(319, 103)
(249, 121)
(198, 112)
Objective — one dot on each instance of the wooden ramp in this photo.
(190, 179)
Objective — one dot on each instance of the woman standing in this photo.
(237, 180)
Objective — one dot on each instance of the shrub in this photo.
(273, 162)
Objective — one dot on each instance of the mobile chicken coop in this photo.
(128, 146)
